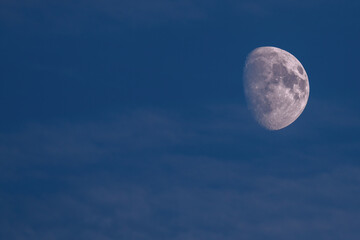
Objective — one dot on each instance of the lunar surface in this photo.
(276, 87)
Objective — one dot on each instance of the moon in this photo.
(276, 87)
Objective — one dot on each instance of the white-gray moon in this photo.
(276, 87)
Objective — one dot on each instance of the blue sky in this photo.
(127, 120)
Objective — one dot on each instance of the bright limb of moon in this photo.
(276, 87)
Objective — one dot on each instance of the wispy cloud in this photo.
(150, 174)
(79, 16)
(231, 205)
(142, 130)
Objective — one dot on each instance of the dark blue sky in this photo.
(127, 120)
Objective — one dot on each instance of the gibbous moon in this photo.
(276, 87)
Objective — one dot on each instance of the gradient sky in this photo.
(127, 120)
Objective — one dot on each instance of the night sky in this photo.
(127, 120)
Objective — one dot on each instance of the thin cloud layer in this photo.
(75, 16)
(152, 174)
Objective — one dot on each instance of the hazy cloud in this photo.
(79, 16)
(150, 174)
